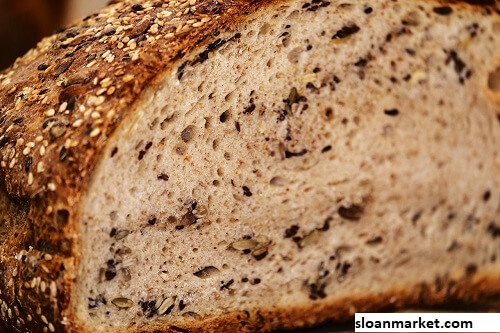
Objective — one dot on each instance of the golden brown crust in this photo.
(58, 105)
(466, 289)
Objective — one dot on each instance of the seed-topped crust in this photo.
(58, 105)
(63, 99)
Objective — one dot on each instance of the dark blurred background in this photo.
(25, 22)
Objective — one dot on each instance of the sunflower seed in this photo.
(207, 272)
(121, 234)
(166, 306)
(122, 302)
(260, 254)
(262, 239)
(245, 244)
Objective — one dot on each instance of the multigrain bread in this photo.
(235, 166)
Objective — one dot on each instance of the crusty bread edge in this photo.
(471, 290)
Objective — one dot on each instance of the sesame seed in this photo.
(51, 327)
(111, 90)
(154, 29)
(47, 256)
(30, 178)
(44, 319)
(50, 112)
(101, 91)
(128, 78)
(26, 151)
(95, 132)
(197, 24)
(78, 123)
(51, 187)
(40, 167)
(106, 82)
(63, 107)
(53, 289)
(110, 114)
(42, 150)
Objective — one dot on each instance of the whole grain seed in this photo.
(207, 272)
(166, 306)
(392, 112)
(245, 244)
(260, 253)
(352, 212)
(309, 239)
(121, 234)
(346, 31)
(246, 191)
(122, 302)
(95, 132)
(163, 176)
(445, 10)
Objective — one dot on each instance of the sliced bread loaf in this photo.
(245, 166)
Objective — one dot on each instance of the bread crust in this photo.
(59, 105)
(465, 290)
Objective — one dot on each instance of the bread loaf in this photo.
(248, 166)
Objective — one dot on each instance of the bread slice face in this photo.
(313, 153)
(239, 166)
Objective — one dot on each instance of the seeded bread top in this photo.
(61, 101)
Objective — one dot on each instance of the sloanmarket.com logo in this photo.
(412, 324)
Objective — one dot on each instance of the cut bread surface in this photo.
(318, 150)
(250, 166)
